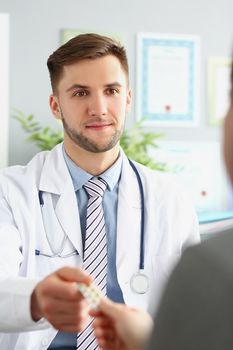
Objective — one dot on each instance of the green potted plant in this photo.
(134, 141)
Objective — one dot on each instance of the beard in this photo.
(86, 143)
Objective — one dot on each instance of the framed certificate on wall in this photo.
(168, 71)
(4, 88)
(219, 87)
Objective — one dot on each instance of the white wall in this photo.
(4, 85)
(35, 32)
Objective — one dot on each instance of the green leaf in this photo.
(136, 144)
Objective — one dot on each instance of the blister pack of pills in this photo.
(92, 294)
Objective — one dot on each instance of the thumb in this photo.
(111, 309)
(71, 274)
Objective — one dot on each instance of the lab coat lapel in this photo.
(68, 216)
(128, 223)
(55, 179)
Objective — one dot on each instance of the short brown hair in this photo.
(84, 46)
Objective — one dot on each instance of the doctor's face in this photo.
(92, 100)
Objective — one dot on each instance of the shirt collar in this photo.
(80, 176)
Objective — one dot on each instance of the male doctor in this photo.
(196, 310)
(79, 208)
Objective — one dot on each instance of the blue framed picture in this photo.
(168, 79)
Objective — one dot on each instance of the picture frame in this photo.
(168, 79)
(219, 87)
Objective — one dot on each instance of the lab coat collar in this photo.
(55, 175)
(55, 179)
(80, 176)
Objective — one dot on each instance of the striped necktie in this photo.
(95, 251)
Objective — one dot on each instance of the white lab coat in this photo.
(170, 224)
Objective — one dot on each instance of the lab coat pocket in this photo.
(46, 265)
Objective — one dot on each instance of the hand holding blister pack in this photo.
(92, 294)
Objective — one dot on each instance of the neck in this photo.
(93, 163)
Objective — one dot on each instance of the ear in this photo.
(128, 100)
(55, 106)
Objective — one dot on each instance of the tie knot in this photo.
(95, 187)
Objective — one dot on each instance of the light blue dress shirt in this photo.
(110, 201)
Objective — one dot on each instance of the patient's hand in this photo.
(119, 327)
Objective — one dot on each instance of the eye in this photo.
(112, 91)
(81, 93)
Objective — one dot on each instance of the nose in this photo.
(97, 105)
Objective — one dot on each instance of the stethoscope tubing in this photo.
(142, 236)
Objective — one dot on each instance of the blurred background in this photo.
(35, 31)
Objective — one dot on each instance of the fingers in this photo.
(102, 322)
(111, 309)
(71, 274)
(69, 324)
(106, 343)
(104, 333)
(59, 289)
(60, 308)
(62, 284)
(66, 315)
(75, 321)
(108, 339)
(58, 299)
(130, 326)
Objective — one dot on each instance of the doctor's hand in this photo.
(57, 299)
(119, 327)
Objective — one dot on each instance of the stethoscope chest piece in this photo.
(139, 283)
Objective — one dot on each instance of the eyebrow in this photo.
(79, 86)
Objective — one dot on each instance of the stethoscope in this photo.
(55, 253)
(139, 282)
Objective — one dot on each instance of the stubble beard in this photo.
(84, 142)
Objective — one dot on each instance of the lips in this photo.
(98, 126)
